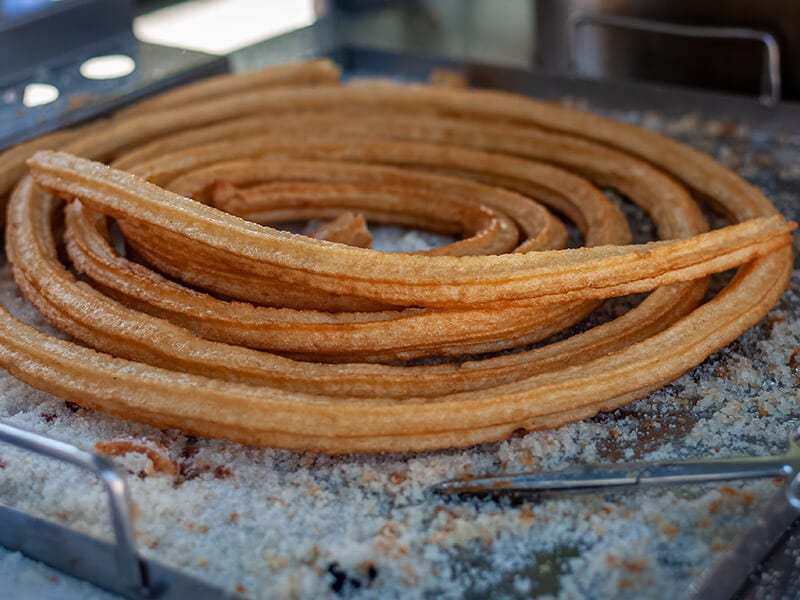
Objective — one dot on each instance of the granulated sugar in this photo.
(275, 524)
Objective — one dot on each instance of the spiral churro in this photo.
(217, 323)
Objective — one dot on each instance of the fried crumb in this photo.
(160, 462)
(390, 529)
(793, 361)
(636, 565)
(222, 472)
(396, 478)
(190, 449)
(668, 529)
(187, 471)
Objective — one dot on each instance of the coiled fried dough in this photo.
(216, 323)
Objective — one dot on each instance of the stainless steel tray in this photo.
(764, 143)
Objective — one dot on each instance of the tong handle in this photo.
(129, 565)
(708, 471)
(594, 477)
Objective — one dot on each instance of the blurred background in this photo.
(82, 57)
(733, 45)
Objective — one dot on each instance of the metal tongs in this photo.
(731, 572)
(598, 477)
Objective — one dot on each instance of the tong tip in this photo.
(472, 485)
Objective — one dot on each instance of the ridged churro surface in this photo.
(218, 323)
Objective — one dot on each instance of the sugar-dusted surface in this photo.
(270, 523)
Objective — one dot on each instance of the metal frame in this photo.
(771, 77)
(116, 567)
(49, 34)
(129, 568)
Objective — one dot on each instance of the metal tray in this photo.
(722, 125)
(157, 68)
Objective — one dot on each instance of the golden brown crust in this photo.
(346, 228)
(294, 134)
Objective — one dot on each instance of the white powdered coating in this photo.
(270, 523)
